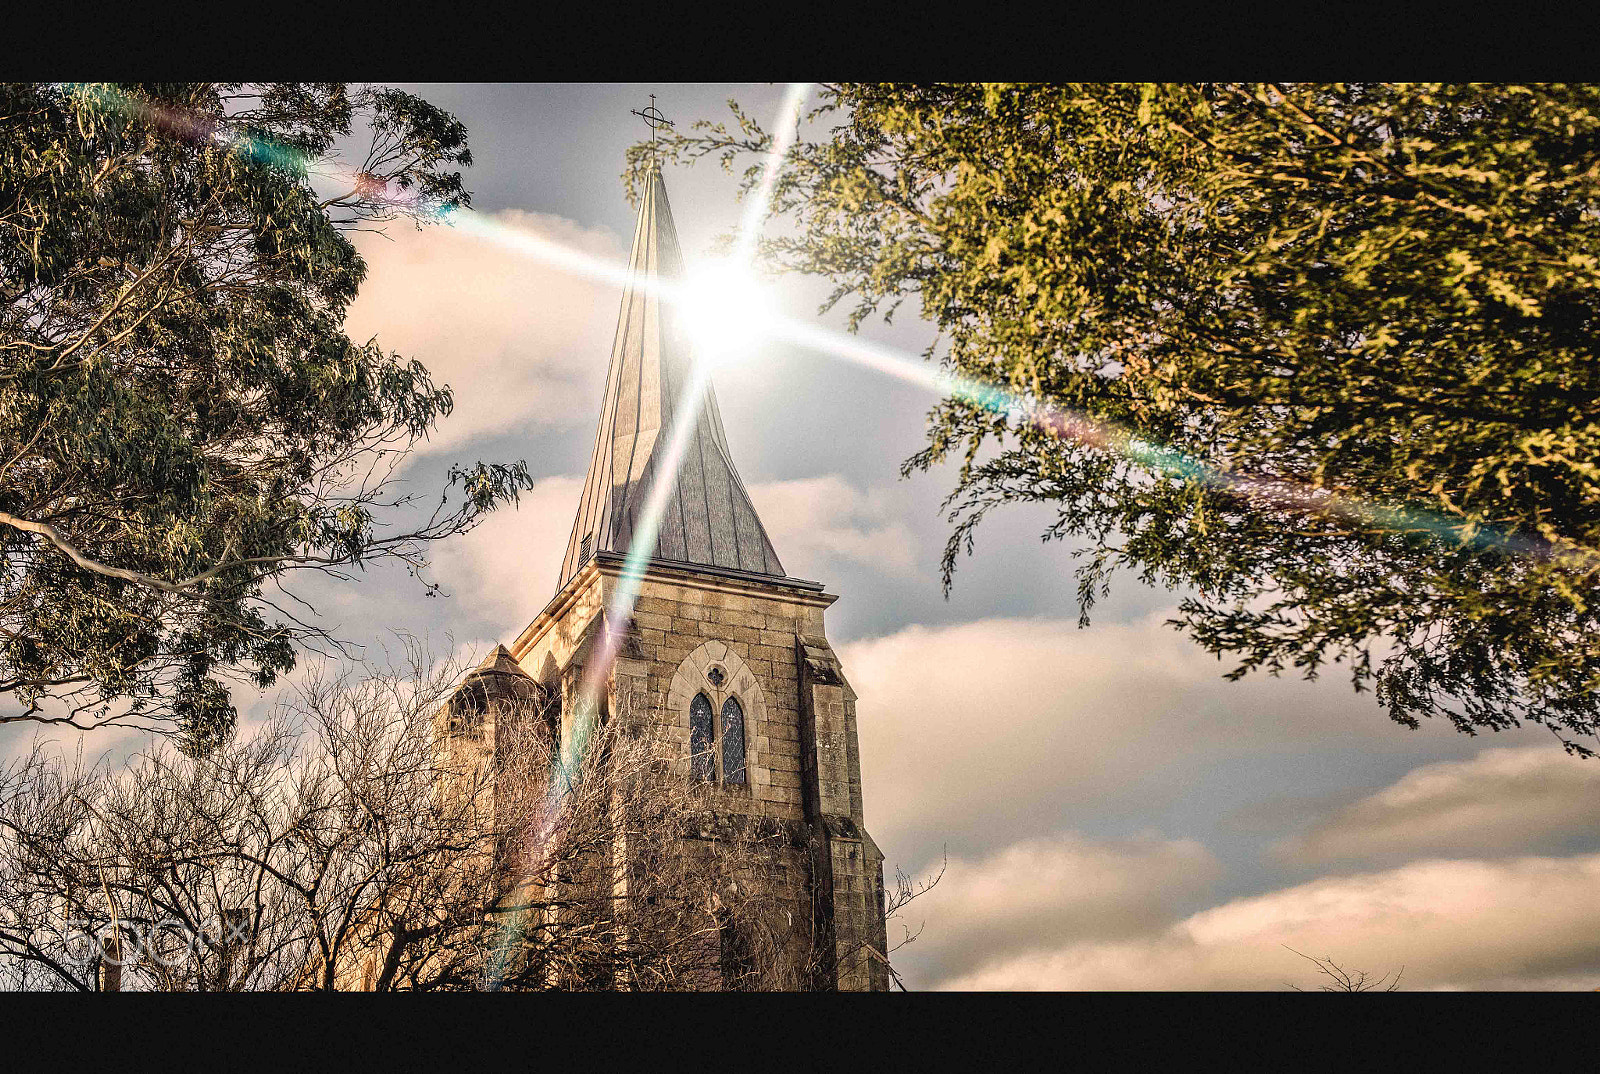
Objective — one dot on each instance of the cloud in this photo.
(1041, 893)
(1011, 728)
(521, 343)
(1501, 801)
(505, 570)
(817, 520)
(1530, 922)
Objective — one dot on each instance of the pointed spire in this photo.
(709, 519)
(500, 660)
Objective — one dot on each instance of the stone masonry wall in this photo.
(673, 621)
(804, 770)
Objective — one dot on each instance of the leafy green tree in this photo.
(183, 421)
(1322, 356)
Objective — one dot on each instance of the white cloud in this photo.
(1502, 800)
(505, 570)
(992, 736)
(522, 344)
(1523, 922)
(816, 520)
(1041, 893)
(1025, 726)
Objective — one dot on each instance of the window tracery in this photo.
(732, 733)
(719, 704)
(702, 736)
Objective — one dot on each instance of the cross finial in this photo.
(653, 117)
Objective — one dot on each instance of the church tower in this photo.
(671, 591)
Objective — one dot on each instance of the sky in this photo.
(1110, 812)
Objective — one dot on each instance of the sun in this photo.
(725, 312)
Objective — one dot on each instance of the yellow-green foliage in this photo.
(1387, 294)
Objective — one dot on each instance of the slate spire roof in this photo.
(709, 519)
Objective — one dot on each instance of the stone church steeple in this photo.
(708, 519)
(708, 634)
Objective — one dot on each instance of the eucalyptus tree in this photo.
(184, 423)
(1322, 356)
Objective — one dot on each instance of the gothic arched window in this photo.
(702, 734)
(732, 741)
(719, 707)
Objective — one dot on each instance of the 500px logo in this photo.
(168, 942)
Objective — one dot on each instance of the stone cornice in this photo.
(710, 579)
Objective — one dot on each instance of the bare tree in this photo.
(388, 830)
(1343, 980)
(906, 890)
